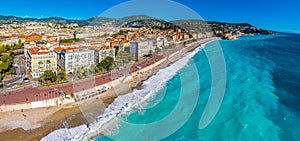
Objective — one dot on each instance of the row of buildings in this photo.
(44, 51)
(49, 32)
(70, 56)
(40, 59)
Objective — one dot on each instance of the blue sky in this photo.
(280, 15)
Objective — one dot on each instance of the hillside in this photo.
(116, 21)
(193, 26)
(57, 20)
(137, 21)
(207, 26)
(151, 23)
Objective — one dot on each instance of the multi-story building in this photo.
(11, 40)
(145, 46)
(161, 41)
(152, 43)
(103, 52)
(73, 58)
(39, 60)
(134, 48)
(125, 45)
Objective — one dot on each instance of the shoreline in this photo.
(113, 121)
(99, 127)
(72, 115)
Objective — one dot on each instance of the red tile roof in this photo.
(39, 94)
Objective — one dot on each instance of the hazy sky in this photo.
(280, 15)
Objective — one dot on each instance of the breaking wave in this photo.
(123, 104)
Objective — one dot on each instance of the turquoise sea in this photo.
(261, 100)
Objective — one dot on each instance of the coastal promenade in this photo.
(51, 95)
(103, 119)
(33, 97)
(41, 121)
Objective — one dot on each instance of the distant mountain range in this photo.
(144, 21)
(90, 21)
(58, 20)
(116, 21)
(205, 26)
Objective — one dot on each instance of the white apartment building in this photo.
(144, 46)
(73, 58)
(103, 52)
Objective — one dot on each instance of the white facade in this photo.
(12, 40)
(144, 46)
(133, 47)
(76, 58)
(102, 53)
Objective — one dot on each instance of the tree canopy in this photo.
(70, 40)
(6, 65)
(107, 64)
(47, 77)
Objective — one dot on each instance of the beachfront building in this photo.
(160, 41)
(143, 46)
(152, 43)
(125, 45)
(102, 52)
(73, 58)
(134, 48)
(39, 60)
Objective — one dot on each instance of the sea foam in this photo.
(122, 104)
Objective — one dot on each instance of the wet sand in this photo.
(53, 118)
(46, 120)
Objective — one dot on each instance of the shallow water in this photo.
(261, 101)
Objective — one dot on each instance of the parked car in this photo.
(26, 79)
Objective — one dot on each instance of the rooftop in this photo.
(39, 50)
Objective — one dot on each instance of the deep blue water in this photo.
(261, 101)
